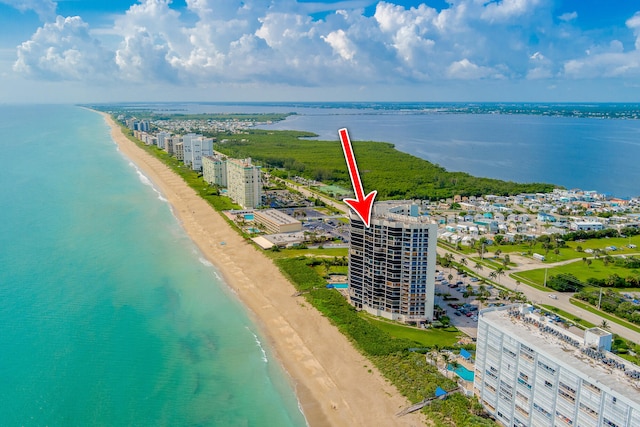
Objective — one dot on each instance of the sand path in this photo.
(332, 380)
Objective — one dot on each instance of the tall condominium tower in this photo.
(392, 263)
(244, 182)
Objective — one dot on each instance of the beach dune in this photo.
(335, 384)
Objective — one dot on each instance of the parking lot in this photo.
(462, 311)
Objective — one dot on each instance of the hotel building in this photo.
(530, 371)
(244, 184)
(277, 222)
(392, 263)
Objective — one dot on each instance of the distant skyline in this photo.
(74, 51)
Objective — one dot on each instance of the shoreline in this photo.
(334, 383)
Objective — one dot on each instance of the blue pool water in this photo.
(248, 217)
(339, 285)
(462, 372)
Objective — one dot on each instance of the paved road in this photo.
(540, 297)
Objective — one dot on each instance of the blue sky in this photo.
(348, 50)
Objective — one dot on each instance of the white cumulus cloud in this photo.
(264, 41)
(64, 50)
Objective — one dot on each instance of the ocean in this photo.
(110, 315)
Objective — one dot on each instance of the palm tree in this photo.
(499, 272)
(478, 266)
(604, 325)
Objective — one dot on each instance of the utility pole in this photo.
(600, 298)
(546, 270)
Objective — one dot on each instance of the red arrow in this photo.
(361, 204)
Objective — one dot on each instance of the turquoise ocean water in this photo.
(109, 314)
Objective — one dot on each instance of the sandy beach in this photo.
(335, 384)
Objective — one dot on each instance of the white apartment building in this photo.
(244, 183)
(214, 170)
(161, 139)
(530, 371)
(196, 146)
(392, 263)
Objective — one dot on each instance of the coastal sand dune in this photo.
(335, 384)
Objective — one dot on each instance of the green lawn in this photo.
(324, 252)
(582, 271)
(531, 279)
(446, 337)
(570, 251)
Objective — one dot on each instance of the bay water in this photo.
(109, 315)
(570, 151)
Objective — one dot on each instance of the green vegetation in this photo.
(606, 271)
(387, 345)
(604, 315)
(394, 174)
(612, 303)
(192, 178)
(443, 337)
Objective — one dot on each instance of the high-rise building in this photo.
(392, 263)
(531, 371)
(214, 170)
(162, 138)
(196, 146)
(244, 183)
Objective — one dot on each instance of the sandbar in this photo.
(334, 383)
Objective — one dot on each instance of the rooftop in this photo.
(567, 349)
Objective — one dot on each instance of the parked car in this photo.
(552, 296)
(456, 313)
(474, 279)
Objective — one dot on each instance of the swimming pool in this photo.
(248, 217)
(339, 285)
(462, 372)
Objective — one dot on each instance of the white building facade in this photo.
(529, 371)
(244, 183)
(195, 147)
(214, 170)
(392, 263)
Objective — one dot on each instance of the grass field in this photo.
(445, 337)
(324, 252)
(582, 271)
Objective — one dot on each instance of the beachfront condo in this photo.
(214, 170)
(244, 183)
(196, 146)
(533, 370)
(392, 263)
